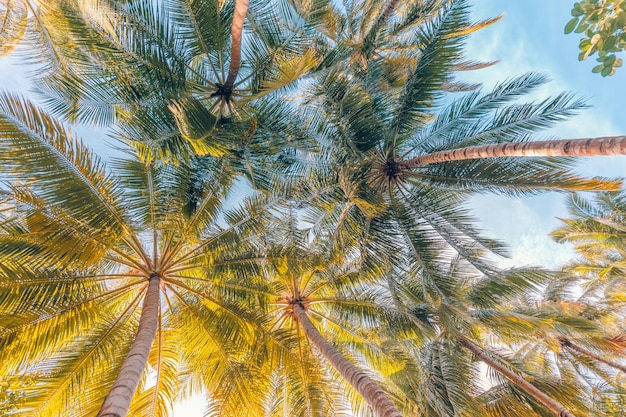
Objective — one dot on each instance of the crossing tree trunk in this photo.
(241, 8)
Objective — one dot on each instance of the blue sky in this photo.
(529, 38)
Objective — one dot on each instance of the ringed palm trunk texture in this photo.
(570, 345)
(118, 399)
(530, 389)
(369, 390)
(603, 146)
(236, 31)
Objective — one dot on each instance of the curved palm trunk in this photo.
(604, 146)
(530, 389)
(236, 31)
(369, 390)
(570, 345)
(117, 401)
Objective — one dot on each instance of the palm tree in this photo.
(366, 201)
(134, 63)
(408, 220)
(374, 395)
(310, 287)
(571, 339)
(116, 285)
(369, 41)
(597, 229)
(537, 394)
(470, 311)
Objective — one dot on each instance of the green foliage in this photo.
(603, 24)
(69, 311)
(388, 261)
(13, 15)
(597, 229)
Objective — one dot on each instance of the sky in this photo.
(529, 38)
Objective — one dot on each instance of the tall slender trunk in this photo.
(530, 389)
(603, 146)
(370, 37)
(118, 399)
(386, 12)
(236, 31)
(571, 345)
(369, 390)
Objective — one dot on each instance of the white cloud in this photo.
(525, 224)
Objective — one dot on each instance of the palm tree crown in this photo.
(122, 284)
(87, 249)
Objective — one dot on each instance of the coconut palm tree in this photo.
(472, 316)
(313, 294)
(362, 196)
(597, 229)
(376, 42)
(595, 279)
(184, 63)
(117, 284)
(573, 340)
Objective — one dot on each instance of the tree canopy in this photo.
(285, 230)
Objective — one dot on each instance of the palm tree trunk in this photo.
(241, 8)
(610, 145)
(387, 10)
(569, 344)
(117, 401)
(370, 37)
(369, 390)
(530, 389)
